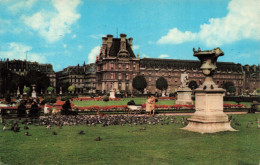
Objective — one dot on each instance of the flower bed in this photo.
(95, 99)
(230, 106)
(104, 108)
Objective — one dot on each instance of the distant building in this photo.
(23, 67)
(81, 77)
(116, 65)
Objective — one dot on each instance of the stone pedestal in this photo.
(112, 94)
(184, 96)
(163, 94)
(209, 116)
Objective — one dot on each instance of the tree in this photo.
(161, 83)
(193, 85)
(139, 83)
(227, 84)
(71, 88)
(8, 81)
(50, 89)
(231, 89)
(40, 79)
(26, 90)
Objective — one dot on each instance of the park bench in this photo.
(12, 113)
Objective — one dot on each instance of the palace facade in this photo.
(117, 65)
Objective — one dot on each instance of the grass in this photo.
(139, 100)
(158, 144)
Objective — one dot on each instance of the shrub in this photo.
(105, 98)
(50, 89)
(139, 83)
(65, 98)
(26, 90)
(161, 83)
(131, 102)
(50, 99)
(173, 94)
(71, 88)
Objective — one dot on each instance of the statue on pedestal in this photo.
(209, 116)
(184, 92)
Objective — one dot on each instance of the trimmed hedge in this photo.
(241, 99)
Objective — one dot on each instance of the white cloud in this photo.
(164, 56)
(136, 47)
(80, 47)
(241, 22)
(93, 53)
(74, 36)
(21, 5)
(98, 36)
(175, 36)
(54, 25)
(19, 51)
(64, 45)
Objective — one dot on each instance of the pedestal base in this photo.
(184, 96)
(209, 116)
(202, 127)
(112, 94)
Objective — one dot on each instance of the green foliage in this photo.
(27, 90)
(50, 89)
(105, 98)
(193, 85)
(71, 88)
(227, 84)
(50, 99)
(8, 81)
(161, 83)
(67, 97)
(37, 78)
(258, 90)
(139, 83)
(231, 89)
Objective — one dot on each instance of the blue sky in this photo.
(68, 32)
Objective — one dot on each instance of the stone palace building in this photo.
(116, 65)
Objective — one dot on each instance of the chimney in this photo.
(247, 67)
(123, 42)
(130, 41)
(104, 45)
(254, 68)
(109, 43)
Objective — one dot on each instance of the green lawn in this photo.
(140, 100)
(158, 144)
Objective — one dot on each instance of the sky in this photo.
(68, 32)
